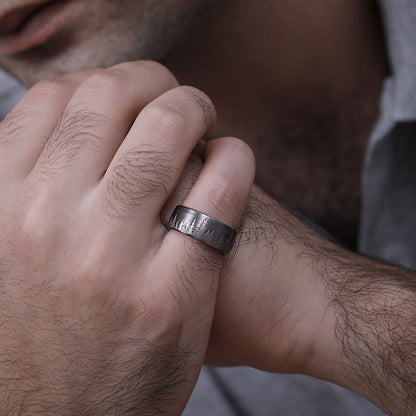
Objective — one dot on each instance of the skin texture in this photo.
(215, 46)
(78, 191)
(122, 329)
(116, 31)
(325, 311)
(291, 301)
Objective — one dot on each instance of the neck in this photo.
(291, 75)
(250, 56)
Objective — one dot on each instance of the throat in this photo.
(312, 160)
(300, 84)
(310, 150)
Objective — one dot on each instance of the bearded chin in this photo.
(120, 36)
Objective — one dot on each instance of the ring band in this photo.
(206, 229)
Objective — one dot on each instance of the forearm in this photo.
(291, 301)
(370, 345)
(353, 321)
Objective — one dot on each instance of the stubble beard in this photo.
(154, 34)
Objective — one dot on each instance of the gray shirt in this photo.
(10, 92)
(388, 226)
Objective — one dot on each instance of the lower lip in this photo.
(37, 30)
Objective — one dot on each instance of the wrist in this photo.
(270, 304)
(326, 360)
(367, 343)
(309, 323)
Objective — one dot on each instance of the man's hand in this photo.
(103, 311)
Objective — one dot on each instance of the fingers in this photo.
(97, 119)
(225, 182)
(221, 191)
(24, 132)
(84, 226)
(148, 164)
(125, 134)
(77, 122)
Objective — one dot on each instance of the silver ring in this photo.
(206, 229)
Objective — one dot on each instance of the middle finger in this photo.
(150, 161)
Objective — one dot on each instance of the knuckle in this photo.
(104, 82)
(241, 150)
(192, 91)
(33, 231)
(46, 94)
(202, 100)
(199, 100)
(50, 90)
(139, 175)
(164, 121)
(94, 266)
(74, 130)
(127, 74)
(14, 126)
(159, 70)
